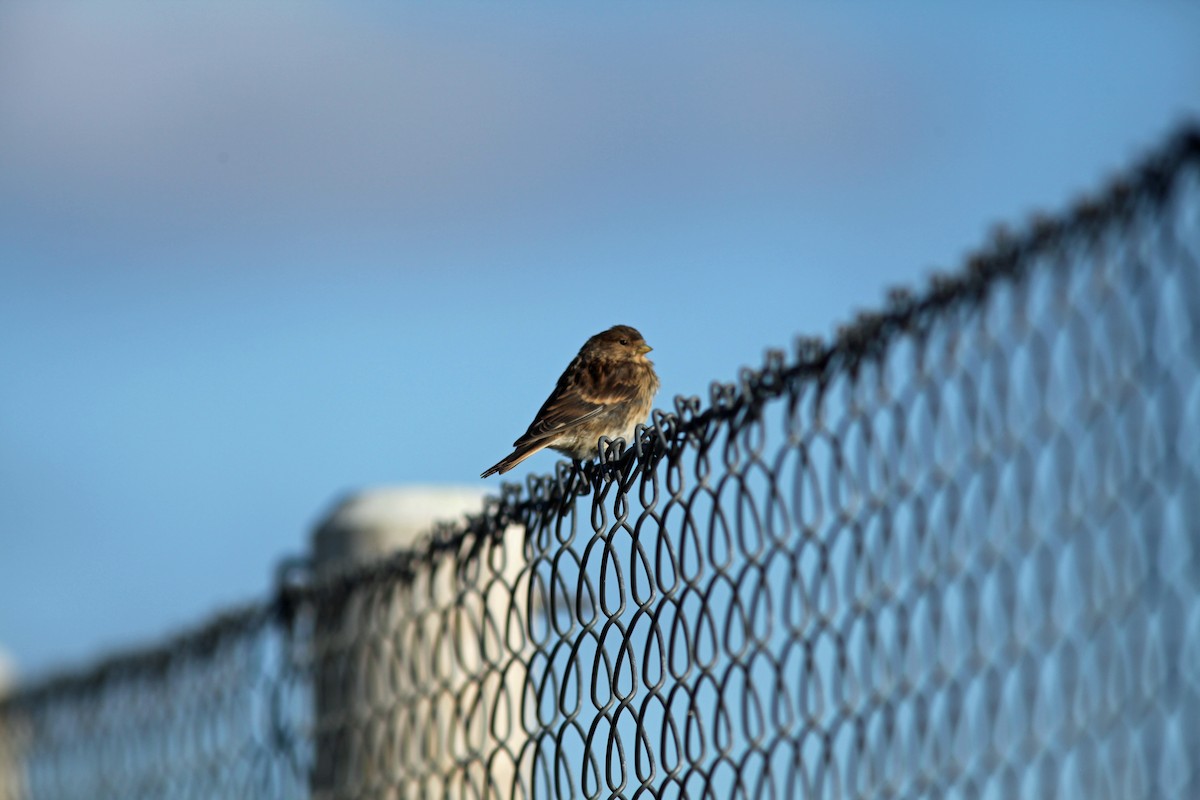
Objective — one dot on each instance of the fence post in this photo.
(391, 678)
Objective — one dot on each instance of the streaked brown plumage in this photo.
(605, 391)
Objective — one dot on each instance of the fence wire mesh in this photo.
(951, 554)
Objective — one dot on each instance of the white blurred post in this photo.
(394, 668)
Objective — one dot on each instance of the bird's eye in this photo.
(625, 341)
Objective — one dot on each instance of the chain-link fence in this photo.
(952, 554)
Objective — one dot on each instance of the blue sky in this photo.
(254, 257)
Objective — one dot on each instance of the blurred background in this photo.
(255, 256)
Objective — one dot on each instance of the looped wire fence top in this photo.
(950, 554)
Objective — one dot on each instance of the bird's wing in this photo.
(557, 415)
(580, 395)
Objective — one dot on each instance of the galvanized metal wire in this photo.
(952, 553)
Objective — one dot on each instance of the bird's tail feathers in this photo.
(513, 458)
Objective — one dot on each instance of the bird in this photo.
(606, 390)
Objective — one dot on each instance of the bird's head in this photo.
(620, 342)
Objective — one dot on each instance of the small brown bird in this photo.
(605, 391)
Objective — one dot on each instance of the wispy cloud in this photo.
(427, 117)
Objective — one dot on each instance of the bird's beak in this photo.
(643, 349)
